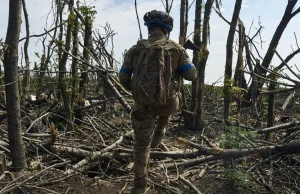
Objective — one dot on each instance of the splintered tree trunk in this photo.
(84, 67)
(228, 65)
(202, 55)
(186, 22)
(197, 42)
(271, 104)
(12, 91)
(182, 38)
(26, 80)
(239, 78)
(41, 76)
(86, 55)
(62, 81)
(60, 7)
(182, 22)
(261, 70)
(74, 62)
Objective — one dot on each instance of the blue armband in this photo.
(186, 67)
(126, 71)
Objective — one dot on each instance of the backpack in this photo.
(153, 73)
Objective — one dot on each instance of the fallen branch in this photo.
(94, 156)
(279, 127)
(192, 162)
(92, 105)
(10, 187)
(290, 148)
(189, 184)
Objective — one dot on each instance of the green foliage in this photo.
(234, 137)
(228, 89)
(87, 10)
(238, 178)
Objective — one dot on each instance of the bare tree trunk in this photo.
(26, 80)
(182, 38)
(138, 20)
(42, 71)
(60, 7)
(62, 81)
(186, 22)
(41, 76)
(86, 55)
(228, 65)
(239, 79)
(84, 67)
(261, 70)
(182, 22)
(12, 91)
(197, 42)
(74, 61)
(199, 122)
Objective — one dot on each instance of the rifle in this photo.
(189, 45)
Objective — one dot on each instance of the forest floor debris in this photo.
(97, 156)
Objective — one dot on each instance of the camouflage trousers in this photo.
(149, 124)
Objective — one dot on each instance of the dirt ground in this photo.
(211, 178)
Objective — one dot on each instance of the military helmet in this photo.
(159, 18)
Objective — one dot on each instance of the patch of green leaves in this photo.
(235, 138)
(87, 10)
(239, 179)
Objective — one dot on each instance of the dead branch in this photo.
(94, 156)
(12, 186)
(192, 162)
(137, 17)
(189, 184)
(290, 148)
(279, 127)
(43, 34)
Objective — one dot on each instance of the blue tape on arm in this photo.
(186, 67)
(126, 71)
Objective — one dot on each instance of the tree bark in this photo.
(182, 22)
(228, 65)
(60, 7)
(182, 39)
(74, 66)
(239, 78)
(202, 55)
(197, 42)
(62, 81)
(12, 91)
(186, 22)
(86, 55)
(26, 81)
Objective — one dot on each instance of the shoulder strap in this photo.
(144, 43)
(170, 45)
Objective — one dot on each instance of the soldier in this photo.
(151, 69)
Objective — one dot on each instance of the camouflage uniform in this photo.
(144, 117)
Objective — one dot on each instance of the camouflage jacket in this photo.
(181, 62)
